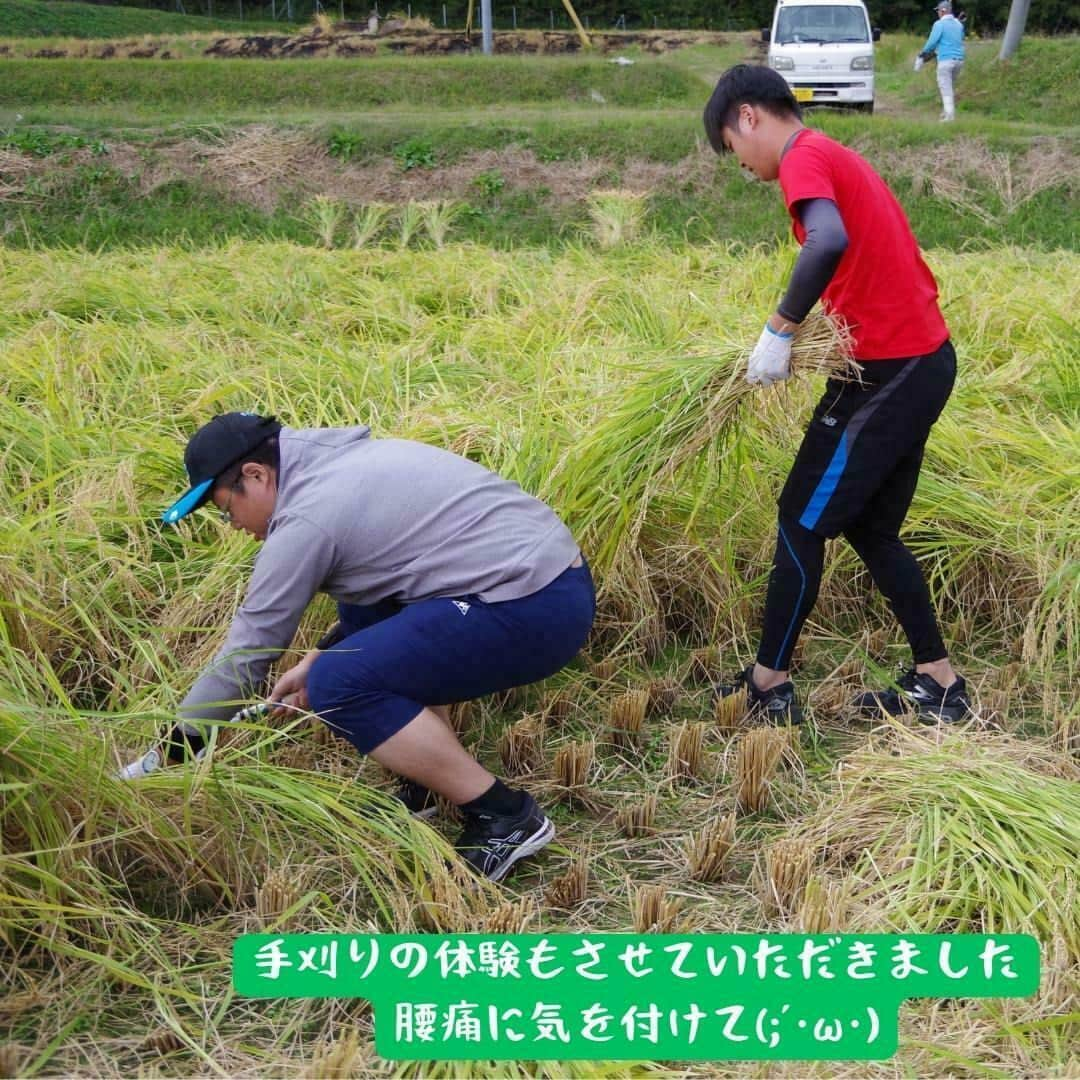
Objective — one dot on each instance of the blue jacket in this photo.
(947, 37)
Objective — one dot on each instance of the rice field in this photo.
(606, 380)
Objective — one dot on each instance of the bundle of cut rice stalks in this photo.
(681, 406)
(957, 832)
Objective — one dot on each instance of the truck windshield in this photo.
(821, 24)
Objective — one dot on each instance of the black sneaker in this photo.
(491, 843)
(776, 706)
(921, 694)
(417, 799)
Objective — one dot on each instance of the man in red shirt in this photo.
(858, 465)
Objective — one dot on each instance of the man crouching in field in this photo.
(451, 583)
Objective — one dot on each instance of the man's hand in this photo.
(291, 689)
(771, 359)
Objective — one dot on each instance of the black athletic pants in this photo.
(856, 473)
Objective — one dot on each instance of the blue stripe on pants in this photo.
(826, 485)
(798, 603)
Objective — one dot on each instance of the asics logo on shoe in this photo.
(461, 606)
(496, 848)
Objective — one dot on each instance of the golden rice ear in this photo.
(569, 890)
(654, 909)
(787, 870)
(521, 746)
(755, 762)
(708, 849)
(639, 819)
(687, 756)
(627, 716)
(824, 906)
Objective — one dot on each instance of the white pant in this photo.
(947, 73)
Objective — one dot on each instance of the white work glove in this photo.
(142, 767)
(771, 359)
(919, 62)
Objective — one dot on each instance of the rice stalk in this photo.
(707, 850)
(569, 889)
(616, 216)
(339, 1060)
(654, 910)
(438, 217)
(410, 217)
(638, 819)
(368, 223)
(823, 906)
(626, 716)
(759, 751)
(572, 765)
(663, 696)
(521, 747)
(278, 892)
(787, 871)
(325, 216)
(512, 917)
(729, 710)
(686, 755)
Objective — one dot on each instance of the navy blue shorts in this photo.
(399, 659)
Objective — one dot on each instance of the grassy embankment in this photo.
(38, 19)
(991, 178)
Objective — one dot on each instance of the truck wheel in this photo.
(864, 106)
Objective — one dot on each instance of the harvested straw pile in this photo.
(680, 406)
(957, 833)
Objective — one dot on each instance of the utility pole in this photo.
(1014, 31)
(485, 26)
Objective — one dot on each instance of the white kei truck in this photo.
(825, 51)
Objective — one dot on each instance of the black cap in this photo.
(212, 449)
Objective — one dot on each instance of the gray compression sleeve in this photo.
(826, 241)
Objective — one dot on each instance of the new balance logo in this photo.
(461, 606)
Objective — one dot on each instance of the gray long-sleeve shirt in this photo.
(364, 520)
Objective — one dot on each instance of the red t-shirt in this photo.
(882, 287)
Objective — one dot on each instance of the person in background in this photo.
(858, 465)
(451, 583)
(947, 41)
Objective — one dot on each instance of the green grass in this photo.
(1038, 86)
(235, 86)
(59, 18)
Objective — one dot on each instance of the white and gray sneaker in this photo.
(491, 843)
